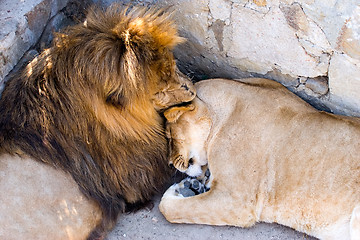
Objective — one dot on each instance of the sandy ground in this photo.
(150, 224)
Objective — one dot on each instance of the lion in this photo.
(81, 126)
(272, 158)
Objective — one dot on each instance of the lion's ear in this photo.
(165, 34)
(174, 113)
(152, 25)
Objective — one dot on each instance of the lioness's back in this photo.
(254, 91)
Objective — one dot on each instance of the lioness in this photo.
(272, 157)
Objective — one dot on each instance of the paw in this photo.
(190, 187)
(172, 192)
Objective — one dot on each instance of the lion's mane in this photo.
(84, 106)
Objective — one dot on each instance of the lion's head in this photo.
(188, 129)
(123, 61)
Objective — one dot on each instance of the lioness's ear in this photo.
(173, 114)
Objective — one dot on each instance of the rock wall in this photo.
(310, 46)
(28, 25)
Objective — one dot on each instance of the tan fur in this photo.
(90, 107)
(42, 203)
(273, 158)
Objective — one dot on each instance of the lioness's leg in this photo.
(214, 207)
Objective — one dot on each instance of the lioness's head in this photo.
(187, 129)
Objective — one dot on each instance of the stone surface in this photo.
(192, 17)
(344, 81)
(261, 47)
(318, 85)
(23, 22)
(330, 15)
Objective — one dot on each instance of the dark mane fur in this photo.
(83, 106)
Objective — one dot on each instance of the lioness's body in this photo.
(273, 158)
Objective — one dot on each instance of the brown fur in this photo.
(88, 105)
(272, 158)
